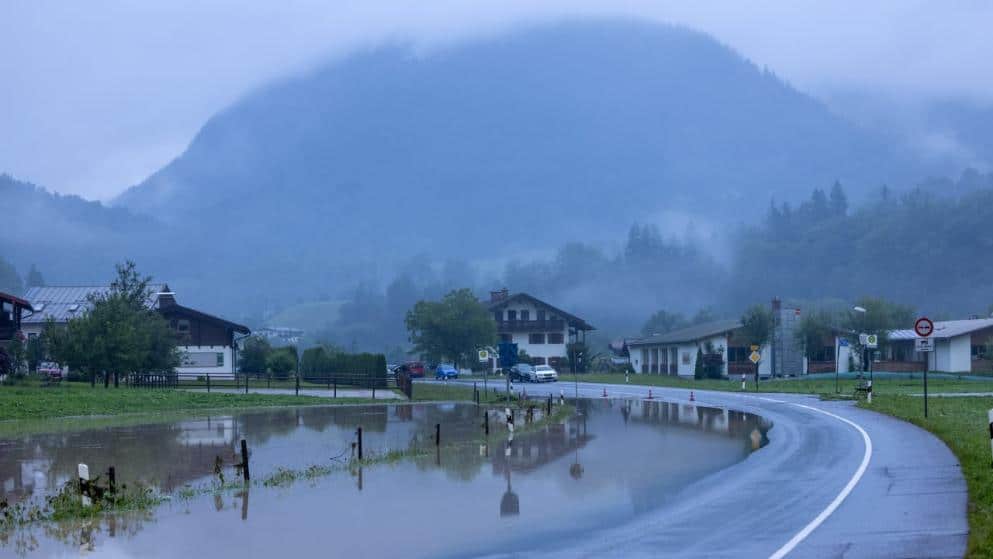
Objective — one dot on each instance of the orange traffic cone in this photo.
(692, 398)
(604, 391)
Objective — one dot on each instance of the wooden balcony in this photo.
(530, 325)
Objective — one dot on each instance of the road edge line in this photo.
(829, 510)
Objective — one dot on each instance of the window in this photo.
(979, 352)
(511, 315)
(506, 338)
(541, 314)
(182, 328)
(556, 338)
(538, 338)
(525, 315)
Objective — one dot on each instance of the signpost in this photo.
(484, 357)
(755, 357)
(924, 328)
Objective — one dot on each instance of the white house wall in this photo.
(960, 354)
(546, 349)
(224, 371)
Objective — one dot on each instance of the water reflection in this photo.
(609, 462)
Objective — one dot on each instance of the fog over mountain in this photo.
(489, 151)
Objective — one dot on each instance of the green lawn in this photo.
(821, 386)
(962, 424)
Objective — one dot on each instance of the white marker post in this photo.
(84, 481)
(868, 392)
(990, 417)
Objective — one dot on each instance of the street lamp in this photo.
(865, 350)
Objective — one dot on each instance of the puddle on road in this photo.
(613, 461)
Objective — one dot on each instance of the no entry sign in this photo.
(924, 327)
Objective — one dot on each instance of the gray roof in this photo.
(691, 334)
(946, 329)
(64, 302)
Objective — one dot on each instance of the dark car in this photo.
(522, 372)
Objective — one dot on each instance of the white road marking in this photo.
(809, 528)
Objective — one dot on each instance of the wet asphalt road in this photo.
(802, 495)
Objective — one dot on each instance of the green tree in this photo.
(34, 352)
(281, 362)
(10, 282)
(17, 352)
(813, 329)
(453, 328)
(118, 333)
(253, 358)
(34, 278)
(880, 317)
(757, 324)
(662, 322)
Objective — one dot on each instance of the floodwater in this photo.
(611, 462)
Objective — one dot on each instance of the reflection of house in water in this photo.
(734, 424)
(211, 432)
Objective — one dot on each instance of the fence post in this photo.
(437, 434)
(358, 433)
(246, 383)
(372, 381)
(208, 383)
(112, 480)
(268, 380)
(335, 394)
(244, 460)
(990, 417)
(486, 423)
(549, 407)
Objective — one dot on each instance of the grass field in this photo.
(962, 424)
(820, 386)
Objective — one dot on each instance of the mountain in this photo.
(70, 238)
(487, 148)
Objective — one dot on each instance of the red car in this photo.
(414, 368)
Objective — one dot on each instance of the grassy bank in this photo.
(71, 399)
(821, 386)
(962, 424)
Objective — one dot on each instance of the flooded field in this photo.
(472, 496)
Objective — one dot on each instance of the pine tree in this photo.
(839, 201)
(34, 278)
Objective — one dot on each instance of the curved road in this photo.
(834, 481)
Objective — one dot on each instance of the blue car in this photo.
(445, 372)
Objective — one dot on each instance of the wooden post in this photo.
(268, 380)
(112, 480)
(244, 460)
(298, 385)
(358, 433)
(486, 423)
(208, 383)
(335, 394)
(437, 434)
(246, 383)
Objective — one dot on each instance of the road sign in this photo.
(923, 345)
(843, 342)
(870, 341)
(755, 347)
(755, 357)
(484, 356)
(924, 327)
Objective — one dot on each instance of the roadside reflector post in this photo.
(244, 461)
(990, 417)
(742, 381)
(868, 394)
(84, 484)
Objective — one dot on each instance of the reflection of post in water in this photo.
(626, 410)
(360, 478)
(510, 503)
(218, 502)
(244, 502)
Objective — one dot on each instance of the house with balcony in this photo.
(538, 328)
(11, 313)
(208, 344)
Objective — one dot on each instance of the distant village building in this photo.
(281, 335)
(538, 328)
(208, 343)
(675, 353)
(960, 346)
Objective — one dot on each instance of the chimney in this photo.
(501, 295)
(166, 299)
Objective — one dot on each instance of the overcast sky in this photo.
(96, 95)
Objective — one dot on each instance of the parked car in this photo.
(522, 372)
(545, 373)
(446, 371)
